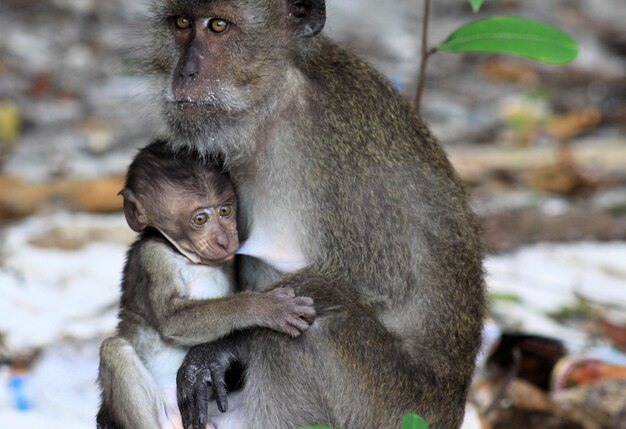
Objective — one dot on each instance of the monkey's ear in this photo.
(134, 211)
(308, 16)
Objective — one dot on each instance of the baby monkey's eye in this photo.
(200, 219)
(218, 25)
(182, 23)
(226, 210)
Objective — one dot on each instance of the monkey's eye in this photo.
(218, 25)
(182, 23)
(226, 210)
(200, 219)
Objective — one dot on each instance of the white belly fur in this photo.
(204, 282)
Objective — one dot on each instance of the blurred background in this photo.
(542, 150)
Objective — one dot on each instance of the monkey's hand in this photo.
(204, 368)
(287, 312)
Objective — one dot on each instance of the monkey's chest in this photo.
(278, 247)
(203, 282)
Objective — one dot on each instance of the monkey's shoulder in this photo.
(342, 74)
(364, 107)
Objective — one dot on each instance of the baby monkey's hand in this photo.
(287, 312)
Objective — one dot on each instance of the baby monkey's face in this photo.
(197, 215)
(203, 228)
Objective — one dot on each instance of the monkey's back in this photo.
(414, 242)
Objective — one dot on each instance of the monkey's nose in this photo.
(188, 74)
(190, 69)
(222, 241)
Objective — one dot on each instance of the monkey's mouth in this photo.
(194, 110)
(194, 104)
(229, 258)
(218, 262)
(211, 103)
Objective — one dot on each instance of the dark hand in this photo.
(204, 368)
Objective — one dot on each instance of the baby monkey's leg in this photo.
(131, 397)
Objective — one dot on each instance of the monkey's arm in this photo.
(188, 322)
(346, 325)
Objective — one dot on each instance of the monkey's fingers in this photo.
(218, 376)
(201, 400)
(185, 396)
(295, 316)
(283, 292)
(304, 301)
(287, 327)
(306, 308)
(187, 406)
(300, 324)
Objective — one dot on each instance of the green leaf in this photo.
(512, 35)
(413, 421)
(476, 5)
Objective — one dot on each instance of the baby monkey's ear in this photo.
(134, 211)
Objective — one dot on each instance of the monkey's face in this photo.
(219, 62)
(206, 233)
(219, 59)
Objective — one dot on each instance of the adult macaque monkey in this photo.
(344, 191)
(176, 279)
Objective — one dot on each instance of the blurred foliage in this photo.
(9, 123)
(505, 297)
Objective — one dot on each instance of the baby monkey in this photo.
(176, 287)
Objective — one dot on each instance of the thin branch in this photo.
(426, 52)
(510, 375)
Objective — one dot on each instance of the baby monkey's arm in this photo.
(188, 322)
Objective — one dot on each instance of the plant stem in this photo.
(426, 52)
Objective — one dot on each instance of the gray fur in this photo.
(329, 159)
